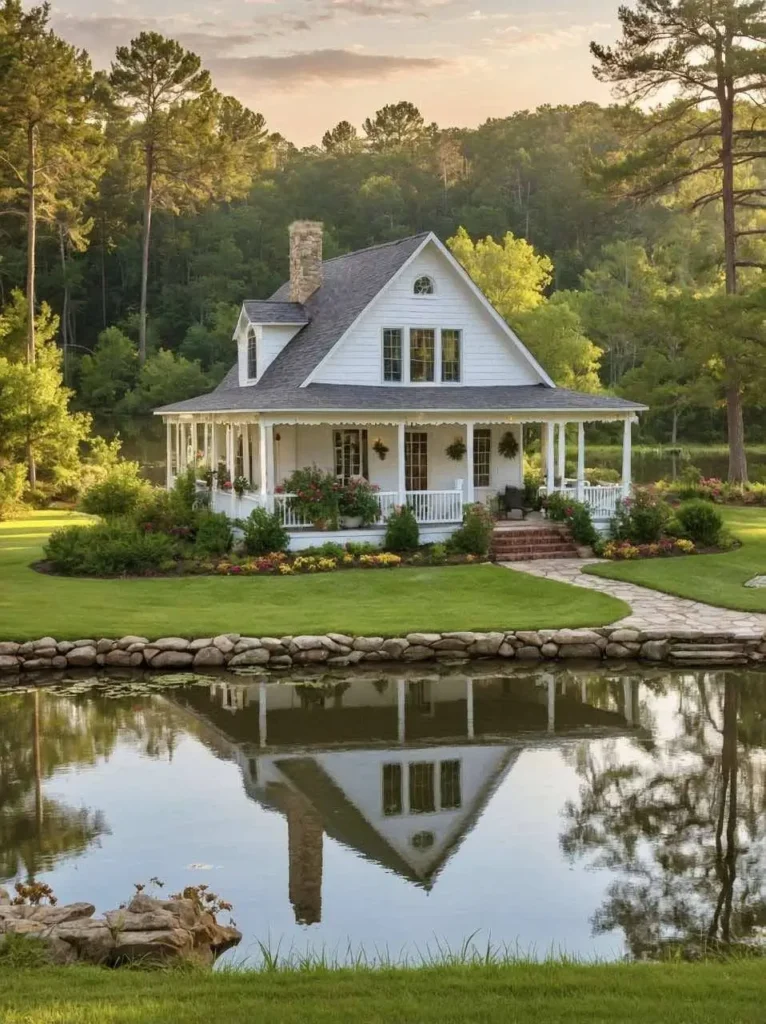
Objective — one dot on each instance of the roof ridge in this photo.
(380, 245)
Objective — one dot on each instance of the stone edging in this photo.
(231, 650)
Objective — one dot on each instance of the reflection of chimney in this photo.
(305, 259)
(304, 844)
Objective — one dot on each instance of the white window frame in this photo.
(424, 295)
(482, 432)
(406, 380)
(459, 332)
(252, 333)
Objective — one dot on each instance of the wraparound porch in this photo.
(405, 458)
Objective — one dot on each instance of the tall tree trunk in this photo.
(674, 428)
(148, 198)
(64, 303)
(31, 259)
(103, 272)
(734, 416)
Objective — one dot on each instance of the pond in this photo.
(601, 813)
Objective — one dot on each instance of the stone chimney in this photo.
(305, 259)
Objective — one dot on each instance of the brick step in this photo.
(512, 541)
(541, 546)
(534, 556)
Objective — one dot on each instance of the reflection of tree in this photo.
(684, 824)
(41, 733)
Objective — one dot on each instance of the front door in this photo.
(350, 448)
(416, 460)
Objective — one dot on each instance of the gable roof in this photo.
(350, 283)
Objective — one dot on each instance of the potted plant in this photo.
(316, 496)
(358, 504)
(456, 451)
(241, 484)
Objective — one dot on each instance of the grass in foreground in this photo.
(705, 993)
(713, 579)
(372, 602)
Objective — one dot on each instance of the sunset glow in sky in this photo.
(307, 64)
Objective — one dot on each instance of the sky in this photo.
(307, 64)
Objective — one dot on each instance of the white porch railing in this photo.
(601, 498)
(430, 507)
(436, 506)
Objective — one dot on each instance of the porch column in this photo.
(178, 447)
(627, 437)
(401, 706)
(230, 464)
(401, 477)
(550, 467)
(266, 440)
(469, 730)
(246, 470)
(262, 714)
(580, 461)
(562, 467)
(168, 454)
(469, 489)
(214, 453)
(551, 681)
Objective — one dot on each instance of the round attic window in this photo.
(423, 286)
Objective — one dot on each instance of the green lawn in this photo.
(714, 579)
(372, 602)
(706, 993)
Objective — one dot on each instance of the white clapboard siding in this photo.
(272, 338)
(489, 356)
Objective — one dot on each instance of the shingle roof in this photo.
(349, 284)
(270, 312)
(359, 398)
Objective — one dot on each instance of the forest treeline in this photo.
(139, 206)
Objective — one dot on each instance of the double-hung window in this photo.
(482, 451)
(451, 345)
(350, 454)
(392, 355)
(422, 354)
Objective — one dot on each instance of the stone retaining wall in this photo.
(231, 650)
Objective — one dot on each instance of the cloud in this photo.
(101, 34)
(327, 66)
(535, 40)
(386, 8)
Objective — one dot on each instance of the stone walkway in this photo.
(650, 608)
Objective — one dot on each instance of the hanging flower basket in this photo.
(508, 446)
(456, 451)
(380, 449)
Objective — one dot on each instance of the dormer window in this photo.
(423, 286)
(252, 353)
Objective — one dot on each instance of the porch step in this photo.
(522, 543)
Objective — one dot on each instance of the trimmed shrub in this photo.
(475, 535)
(11, 486)
(214, 534)
(183, 499)
(701, 521)
(264, 533)
(120, 493)
(402, 530)
(581, 526)
(641, 519)
(115, 547)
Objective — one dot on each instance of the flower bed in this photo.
(281, 564)
(624, 550)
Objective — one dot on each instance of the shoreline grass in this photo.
(378, 603)
(553, 993)
(717, 580)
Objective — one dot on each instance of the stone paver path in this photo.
(650, 608)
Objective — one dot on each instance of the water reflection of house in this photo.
(400, 769)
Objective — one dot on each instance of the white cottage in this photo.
(372, 364)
